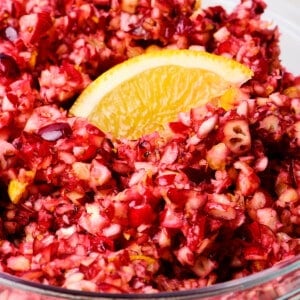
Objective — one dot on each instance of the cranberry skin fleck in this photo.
(8, 66)
(53, 132)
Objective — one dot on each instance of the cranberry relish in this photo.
(218, 200)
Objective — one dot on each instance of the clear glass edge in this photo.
(281, 269)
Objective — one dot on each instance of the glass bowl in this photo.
(282, 281)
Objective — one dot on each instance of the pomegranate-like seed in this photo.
(55, 131)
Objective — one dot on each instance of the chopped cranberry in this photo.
(34, 26)
(140, 214)
(8, 66)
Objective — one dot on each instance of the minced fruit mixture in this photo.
(217, 200)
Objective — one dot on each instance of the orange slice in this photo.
(144, 93)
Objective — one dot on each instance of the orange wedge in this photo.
(145, 93)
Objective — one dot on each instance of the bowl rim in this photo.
(279, 270)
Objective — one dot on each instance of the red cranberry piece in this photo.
(184, 25)
(140, 214)
(34, 26)
(178, 127)
(105, 3)
(8, 66)
(261, 69)
(53, 132)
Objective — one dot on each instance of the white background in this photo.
(286, 14)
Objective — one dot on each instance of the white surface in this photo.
(286, 14)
